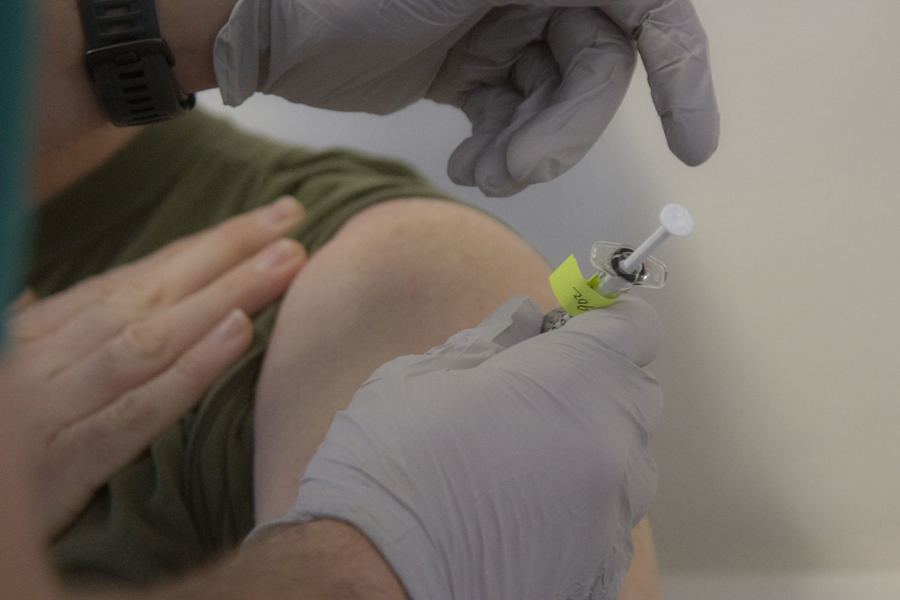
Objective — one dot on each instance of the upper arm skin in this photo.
(399, 278)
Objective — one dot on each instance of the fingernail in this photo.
(283, 210)
(275, 255)
(229, 328)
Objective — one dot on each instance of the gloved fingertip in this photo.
(473, 164)
(461, 165)
(492, 173)
(692, 135)
(494, 186)
(460, 177)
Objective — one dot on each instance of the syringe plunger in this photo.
(674, 220)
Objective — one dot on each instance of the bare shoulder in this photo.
(398, 278)
(451, 239)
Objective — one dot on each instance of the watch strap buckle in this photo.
(127, 53)
(130, 63)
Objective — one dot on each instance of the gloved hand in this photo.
(539, 79)
(503, 464)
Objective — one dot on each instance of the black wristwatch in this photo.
(130, 63)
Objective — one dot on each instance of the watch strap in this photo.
(130, 63)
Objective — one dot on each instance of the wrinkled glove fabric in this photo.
(504, 463)
(540, 80)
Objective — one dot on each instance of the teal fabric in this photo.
(15, 43)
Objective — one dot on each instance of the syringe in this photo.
(619, 268)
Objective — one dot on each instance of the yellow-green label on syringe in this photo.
(619, 268)
(575, 293)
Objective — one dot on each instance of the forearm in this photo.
(69, 104)
(321, 560)
(328, 560)
(642, 580)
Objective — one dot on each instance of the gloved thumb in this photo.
(631, 328)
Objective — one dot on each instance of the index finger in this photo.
(675, 51)
(168, 274)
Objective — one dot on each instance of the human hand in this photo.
(114, 360)
(502, 464)
(540, 80)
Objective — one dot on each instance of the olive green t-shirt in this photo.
(190, 496)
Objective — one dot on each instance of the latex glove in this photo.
(503, 464)
(539, 79)
(116, 359)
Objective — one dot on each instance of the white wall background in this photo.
(779, 448)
